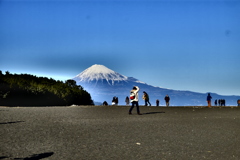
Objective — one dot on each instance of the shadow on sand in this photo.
(33, 157)
(153, 112)
(11, 123)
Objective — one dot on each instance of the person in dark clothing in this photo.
(221, 102)
(127, 101)
(215, 102)
(224, 102)
(114, 101)
(105, 103)
(146, 98)
(238, 102)
(167, 99)
(209, 100)
(157, 102)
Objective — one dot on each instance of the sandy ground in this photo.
(109, 133)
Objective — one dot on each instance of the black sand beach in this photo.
(106, 133)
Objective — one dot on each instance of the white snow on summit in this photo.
(100, 72)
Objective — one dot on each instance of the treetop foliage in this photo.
(29, 90)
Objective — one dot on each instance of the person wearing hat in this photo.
(146, 98)
(134, 99)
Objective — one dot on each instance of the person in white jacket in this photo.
(134, 99)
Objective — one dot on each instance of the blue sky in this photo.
(179, 44)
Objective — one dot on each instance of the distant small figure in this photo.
(105, 103)
(209, 100)
(146, 98)
(157, 102)
(238, 102)
(219, 102)
(114, 101)
(167, 99)
(215, 102)
(134, 99)
(127, 101)
(224, 102)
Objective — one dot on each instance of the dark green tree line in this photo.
(29, 90)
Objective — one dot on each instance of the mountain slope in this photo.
(103, 84)
(100, 73)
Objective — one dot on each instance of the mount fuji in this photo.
(103, 84)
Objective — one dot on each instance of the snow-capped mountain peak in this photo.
(99, 72)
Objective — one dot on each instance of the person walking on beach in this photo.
(134, 99)
(105, 103)
(224, 102)
(114, 101)
(167, 99)
(127, 101)
(146, 98)
(238, 102)
(157, 102)
(209, 100)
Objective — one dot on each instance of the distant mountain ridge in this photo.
(103, 84)
(100, 73)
